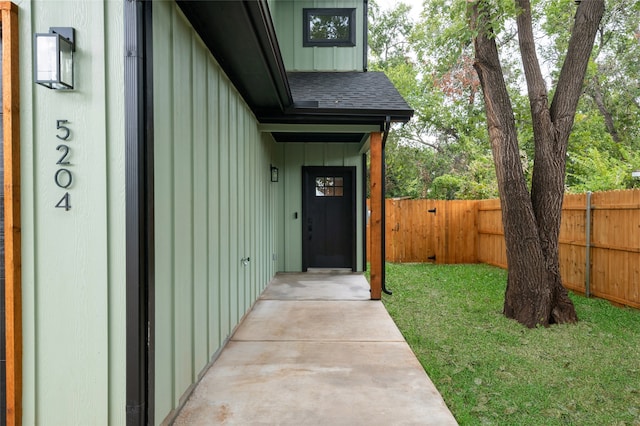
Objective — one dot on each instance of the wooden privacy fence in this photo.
(430, 231)
(606, 264)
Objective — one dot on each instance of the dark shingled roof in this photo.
(364, 92)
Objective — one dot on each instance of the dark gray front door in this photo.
(328, 217)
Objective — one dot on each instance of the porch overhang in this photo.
(241, 36)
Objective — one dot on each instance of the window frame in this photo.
(349, 12)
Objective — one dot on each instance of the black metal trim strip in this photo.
(139, 211)
(150, 211)
(365, 37)
(365, 212)
(387, 128)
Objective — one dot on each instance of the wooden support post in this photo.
(376, 224)
(12, 246)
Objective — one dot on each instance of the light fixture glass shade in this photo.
(53, 61)
(66, 63)
(46, 66)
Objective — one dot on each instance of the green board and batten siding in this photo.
(213, 204)
(287, 17)
(73, 262)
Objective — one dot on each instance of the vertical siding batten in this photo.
(249, 189)
(223, 205)
(163, 207)
(182, 142)
(234, 259)
(116, 202)
(199, 228)
(213, 206)
(240, 235)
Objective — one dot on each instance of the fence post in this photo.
(587, 285)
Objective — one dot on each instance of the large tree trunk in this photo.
(534, 295)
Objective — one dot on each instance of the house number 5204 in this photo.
(63, 177)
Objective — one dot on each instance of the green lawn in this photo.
(491, 370)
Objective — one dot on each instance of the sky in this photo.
(416, 6)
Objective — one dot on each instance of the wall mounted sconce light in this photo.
(53, 58)
(274, 173)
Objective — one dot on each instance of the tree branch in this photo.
(535, 81)
(569, 88)
(598, 98)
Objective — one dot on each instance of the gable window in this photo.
(329, 27)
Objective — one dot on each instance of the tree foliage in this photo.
(444, 152)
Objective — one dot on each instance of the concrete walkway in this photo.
(316, 351)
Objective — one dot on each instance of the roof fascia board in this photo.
(318, 128)
(335, 119)
(408, 113)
